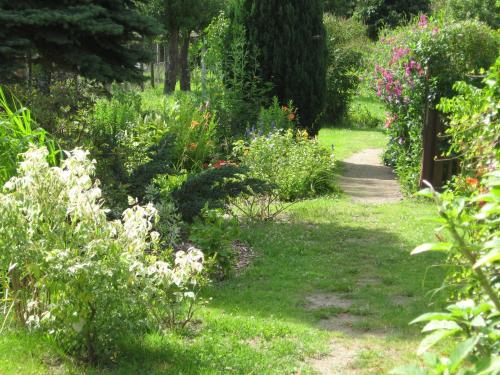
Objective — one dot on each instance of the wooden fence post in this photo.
(429, 140)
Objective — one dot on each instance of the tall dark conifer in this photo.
(289, 38)
(100, 39)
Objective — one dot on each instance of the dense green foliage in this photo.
(377, 14)
(417, 66)
(16, 135)
(215, 234)
(294, 62)
(474, 125)
(212, 188)
(297, 166)
(346, 43)
(487, 11)
(98, 40)
(470, 237)
(471, 219)
(233, 88)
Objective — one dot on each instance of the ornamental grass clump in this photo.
(69, 271)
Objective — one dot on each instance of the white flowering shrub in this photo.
(69, 270)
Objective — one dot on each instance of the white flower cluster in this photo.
(54, 229)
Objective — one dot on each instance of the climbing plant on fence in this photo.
(417, 65)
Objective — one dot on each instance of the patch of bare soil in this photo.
(342, 323)
(366, 180)
(339, 360)
(244, 256)
(325, 300)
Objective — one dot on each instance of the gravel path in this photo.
(366, 180)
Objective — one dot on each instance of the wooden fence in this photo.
(435, 168)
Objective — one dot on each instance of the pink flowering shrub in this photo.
(417, 65)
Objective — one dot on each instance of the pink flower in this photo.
(423, 21)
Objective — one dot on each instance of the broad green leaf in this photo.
(440, 324)
(432, 339)
(489, 258)
(462, 351)
(488, 366)
(432, 316)
(429, 193)
(436, 246)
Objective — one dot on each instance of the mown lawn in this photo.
(259, 323)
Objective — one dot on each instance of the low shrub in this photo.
(215, 232)
(213, 187)
(66, 269)
(295, 165)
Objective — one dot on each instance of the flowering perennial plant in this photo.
(297, 166)
(70, 271)
(415, 66)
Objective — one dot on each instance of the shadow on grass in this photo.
(268, 301)
(297, 259)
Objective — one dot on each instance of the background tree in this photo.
(289, 39)
(341, 8)
(100, 40)
(379, 13)
(180, 18)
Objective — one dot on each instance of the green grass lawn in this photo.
(259, 323)
(349, 141)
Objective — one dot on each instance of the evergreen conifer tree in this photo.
(289, 38)
(100, 39)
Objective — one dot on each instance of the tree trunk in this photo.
(152, 72)
(184, 64)
(173, 63)
(203, 69)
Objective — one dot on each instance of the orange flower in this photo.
(472, 181)
(291, 116)
(194, 124)
(193, 146)
(220, 164)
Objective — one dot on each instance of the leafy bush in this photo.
(346, 41)
(377, 14)
(193, 128)
(487, 11)
(276, 117)
(215, 233)
(213, 187)
(76, 275)
(16, 135)
(471, 220)
(234, 87)
(416, 67)
(474, 126)
(360, 116)
(297, 166)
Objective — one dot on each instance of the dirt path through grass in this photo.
(366, 180)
